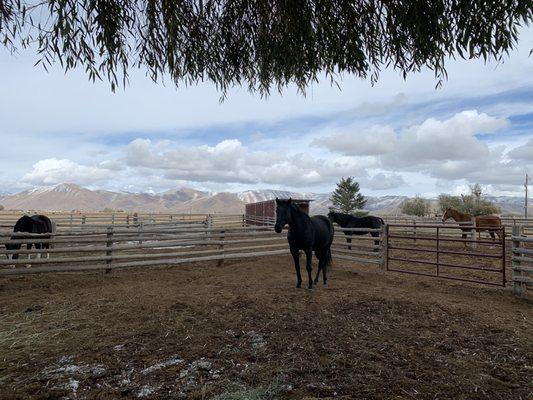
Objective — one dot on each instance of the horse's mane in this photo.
(25, 222)
(453, 210)
(296, 208)
(343, 218)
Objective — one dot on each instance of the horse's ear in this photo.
(290, 199)
(277, 200)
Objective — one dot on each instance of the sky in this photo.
(398, 137)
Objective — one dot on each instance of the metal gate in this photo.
(448, 252)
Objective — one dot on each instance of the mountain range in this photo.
(68, 197)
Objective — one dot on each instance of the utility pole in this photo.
(525, 203)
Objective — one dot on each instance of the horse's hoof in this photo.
(298, 286)
(28, 265)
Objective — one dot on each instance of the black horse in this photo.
(349, 221)
(34, 224)
(308, 234)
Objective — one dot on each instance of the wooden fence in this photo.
(155, 240)
(522, 258)
(126, 220)
(355, 244)
(112, 247)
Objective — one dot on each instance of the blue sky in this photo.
(397, 137)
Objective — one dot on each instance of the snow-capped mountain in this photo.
(68, 197)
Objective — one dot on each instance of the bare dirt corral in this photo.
(242, 331)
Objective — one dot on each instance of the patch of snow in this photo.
(164, 364)
(146, 391)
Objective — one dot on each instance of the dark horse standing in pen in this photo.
(349, 221)
(34, 224)
(308, 234)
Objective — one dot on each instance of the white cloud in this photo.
(372, 141)
(522, 153)
(449, 140)
(383, 181)
(230, 161)
(52, 170)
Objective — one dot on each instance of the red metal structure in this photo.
(264, 212)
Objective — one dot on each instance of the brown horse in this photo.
(490, 223)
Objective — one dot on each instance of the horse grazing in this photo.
(490, 223)
(349, 221)
(308, 234)
(34, 224)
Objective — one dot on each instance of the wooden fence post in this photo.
(135, 219)
(518, 286)
(385, 246)
(473, 224)
(71, 217)
(140, 232)
(109, 245)
(221, 238)
(83, 219)
(113, 219)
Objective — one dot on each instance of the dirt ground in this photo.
(243, 331)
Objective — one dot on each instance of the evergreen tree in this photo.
(346, 197)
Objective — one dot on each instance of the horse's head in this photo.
(447, 215)
(283, 214)
(332, 216)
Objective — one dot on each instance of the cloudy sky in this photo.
(397, 137)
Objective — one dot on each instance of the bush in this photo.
(1, 207)
(417, 206)
(473, 203)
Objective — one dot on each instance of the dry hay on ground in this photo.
(243, 331)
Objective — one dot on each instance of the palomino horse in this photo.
(308, 234)
(490, 223)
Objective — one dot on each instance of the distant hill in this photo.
(68, 197)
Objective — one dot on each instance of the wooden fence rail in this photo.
(362, 248)
(112, 248)
(522, 259)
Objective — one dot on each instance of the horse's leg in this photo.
(464, 236)
(309, 266)
(28, 247)
(493, 237)
(376, 242)
(320, 257)
(296, 256)
(327, 259)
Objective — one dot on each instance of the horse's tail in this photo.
(328, 263)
